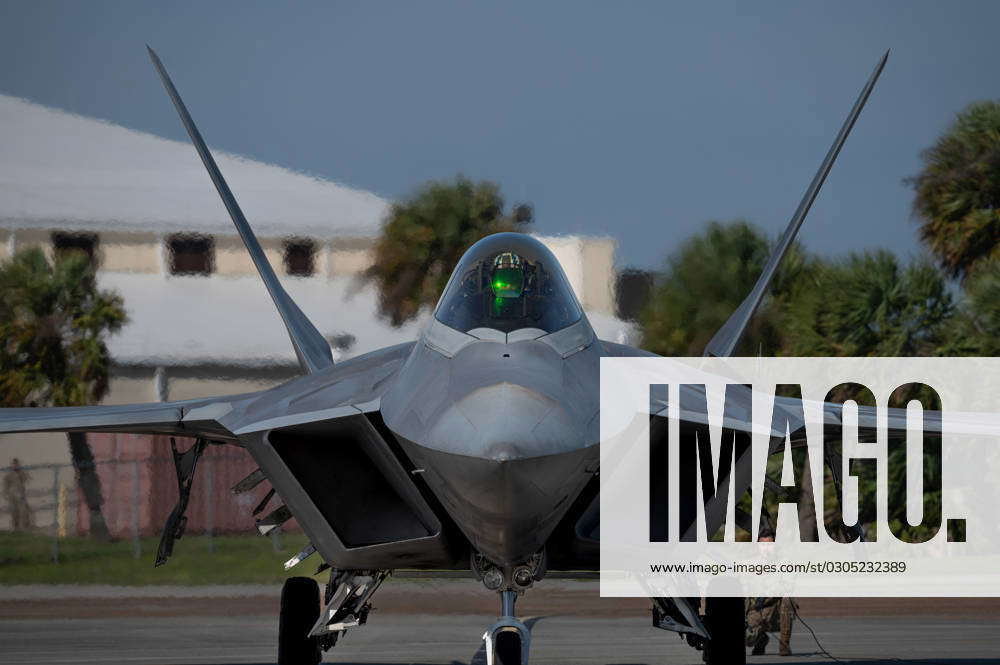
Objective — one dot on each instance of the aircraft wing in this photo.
(578, 537)
(195, 418)
(320, 441)
(350, 388)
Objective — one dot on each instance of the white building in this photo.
(201, 322)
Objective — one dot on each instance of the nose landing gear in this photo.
(507, 641)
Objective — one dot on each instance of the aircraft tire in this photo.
(299, 611)
(725, 619)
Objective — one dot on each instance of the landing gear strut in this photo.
(508, 639)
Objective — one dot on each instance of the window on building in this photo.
(300, 257)
(191, 254)
(65, 244)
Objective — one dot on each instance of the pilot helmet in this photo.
(507, 278)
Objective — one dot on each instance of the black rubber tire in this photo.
(725, 619)
(299, 611)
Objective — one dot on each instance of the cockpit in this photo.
(508, 282)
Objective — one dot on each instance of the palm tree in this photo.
(957, 200)
(869, 305)
(978, 321)
(424, 237)
(705, 280)
(53, 323)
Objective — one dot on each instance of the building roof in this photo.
(230, 321)
(58, 169)
(63, 171)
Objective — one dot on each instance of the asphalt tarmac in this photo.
(174, 629)
(450, 640)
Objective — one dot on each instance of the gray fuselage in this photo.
(504, 424)
(506, 434)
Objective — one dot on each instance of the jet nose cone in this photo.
(506, 422)
(505, 435)
(507, 507)
(506, 461)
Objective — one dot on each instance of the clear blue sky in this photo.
(639, 120)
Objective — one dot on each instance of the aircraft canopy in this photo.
(507, 282)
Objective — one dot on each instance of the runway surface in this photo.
(39, 626)
(453, 639)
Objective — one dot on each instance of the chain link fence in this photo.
(137, 489)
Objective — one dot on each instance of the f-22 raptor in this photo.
(474, 447)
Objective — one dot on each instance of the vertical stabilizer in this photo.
(728, 336)
(312, 349)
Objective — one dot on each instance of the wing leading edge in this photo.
(197, 418)
(351, 387)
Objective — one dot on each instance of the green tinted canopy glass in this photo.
(508, 282)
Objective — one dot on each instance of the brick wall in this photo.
(139, 486)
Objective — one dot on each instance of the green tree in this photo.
(957, 201)
(977, 331)
(53, 323)
(706, 279)
(869, 305)
(424, 236)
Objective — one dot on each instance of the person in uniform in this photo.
(15, 490)
(769, 615)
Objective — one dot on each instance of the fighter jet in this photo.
(474, 447)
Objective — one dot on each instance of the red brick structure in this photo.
(139, 486)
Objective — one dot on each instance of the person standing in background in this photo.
(768, 615)
(15, 490)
